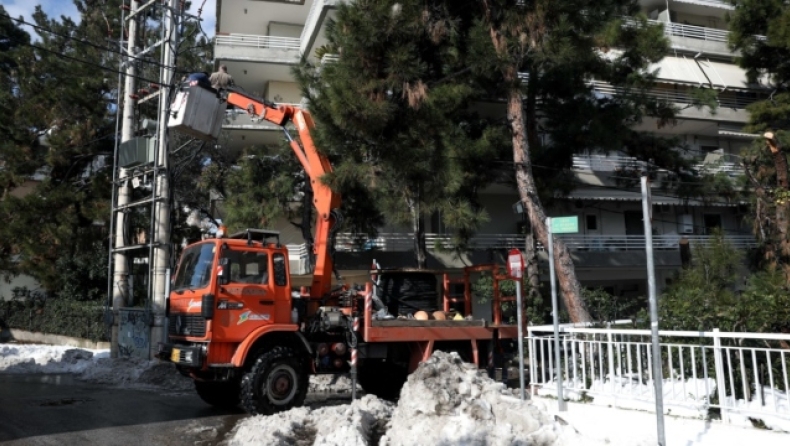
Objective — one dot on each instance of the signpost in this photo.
(558, 225)
(647, 216)
(515, 266)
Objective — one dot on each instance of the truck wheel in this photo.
(224, 394)
(277, 381)
(381, 378)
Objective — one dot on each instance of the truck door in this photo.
(247, 301)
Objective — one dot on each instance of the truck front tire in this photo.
(224, 394)
(277, 381)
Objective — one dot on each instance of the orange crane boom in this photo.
(316, 165)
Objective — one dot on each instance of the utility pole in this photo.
(120, 276)
(161, 222)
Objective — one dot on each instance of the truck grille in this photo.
(186, 325)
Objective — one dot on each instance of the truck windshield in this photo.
(196, 266)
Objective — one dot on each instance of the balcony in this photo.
(257, 48)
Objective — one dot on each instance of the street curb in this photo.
(44, 338)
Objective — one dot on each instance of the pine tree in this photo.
(62, 126)
(561, 45)
(759, 30)
(393, 113)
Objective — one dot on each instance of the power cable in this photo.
(82, 41)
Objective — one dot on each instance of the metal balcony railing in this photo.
(714, 3)
(694, 32)
(400, 242)
(677, 96)
(258, 41)
(606, 163)
(613, 163)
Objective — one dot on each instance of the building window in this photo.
(712, 222)
(592, 222)
(633, 223)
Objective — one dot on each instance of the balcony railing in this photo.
(613, 163)
(605, 163)
(258, 41)
(714, 3)
(694, 32)
(399, 242)
(676, 96)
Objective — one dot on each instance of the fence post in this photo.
(719, 364)
(610, 354)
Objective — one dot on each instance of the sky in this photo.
(588, 424)
(57, 8)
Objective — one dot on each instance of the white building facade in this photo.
(261, 41)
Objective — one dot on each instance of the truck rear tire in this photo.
(223, 394)
(276, 382)
(382, 378)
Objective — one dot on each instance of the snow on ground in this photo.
(445, 402)
(357, 424)
(681, 398)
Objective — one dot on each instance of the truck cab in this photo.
(224, 290)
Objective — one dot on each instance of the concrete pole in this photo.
(658, 378)
(162, 187)
(120, 277)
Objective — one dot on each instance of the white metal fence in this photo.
(737, 375)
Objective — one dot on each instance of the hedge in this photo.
(56, 316)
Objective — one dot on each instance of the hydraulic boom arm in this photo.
(315, 165)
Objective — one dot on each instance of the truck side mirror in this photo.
(223, 272)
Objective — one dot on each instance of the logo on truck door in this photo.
(250, 316)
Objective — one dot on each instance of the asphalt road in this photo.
(61, 410)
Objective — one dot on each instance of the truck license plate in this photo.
(175, 355)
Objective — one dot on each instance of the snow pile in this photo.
(23, 358)
(447, 401)
(136, 372)
(91, 365)
(775, 401)
(329, 384)
(357, 424)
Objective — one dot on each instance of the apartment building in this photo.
(260, 41)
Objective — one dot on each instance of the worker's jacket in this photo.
(221, 80)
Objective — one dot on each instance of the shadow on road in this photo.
(42, 408)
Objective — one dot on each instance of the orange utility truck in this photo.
(246, 336)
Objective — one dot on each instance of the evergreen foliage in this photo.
(759, 31)
(395, 113)
(56, 92)
(717, 291)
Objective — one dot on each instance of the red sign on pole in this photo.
(515, 264)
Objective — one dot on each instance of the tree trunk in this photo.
(531, 265)
(418, 230)
(566, 274)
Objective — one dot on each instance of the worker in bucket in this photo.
(200, 78)
(221, 78)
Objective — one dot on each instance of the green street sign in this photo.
(565, 225)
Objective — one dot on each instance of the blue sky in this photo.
(57, 8)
